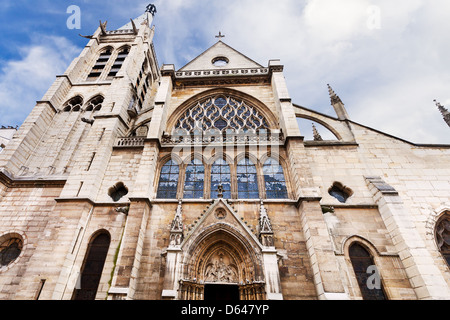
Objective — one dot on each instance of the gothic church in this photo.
(130, 180)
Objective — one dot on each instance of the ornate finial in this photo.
(220, 36)
(333, 96)
(444, 111)
(316, 134)
(265, 227)
(176, 230)
(151, 8)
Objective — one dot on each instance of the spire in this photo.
(176, 229)
(333, 96)
(265, 227)
(445, 113)
(146, 18)
(337, 104)
(316, 134)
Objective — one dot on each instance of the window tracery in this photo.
(223, 114)
(95, 104)
(74, 104)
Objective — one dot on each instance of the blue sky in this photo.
(387, 60)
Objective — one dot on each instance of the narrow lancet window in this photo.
(247, 180)
(220, 176)
(194, 181)
(275, 182)
(100, 65)
(366, 272)
(168, 180)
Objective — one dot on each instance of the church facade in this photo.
(133, 181)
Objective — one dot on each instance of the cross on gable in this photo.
(220, 36)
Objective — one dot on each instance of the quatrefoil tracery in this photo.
(225, 114)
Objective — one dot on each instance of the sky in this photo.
(386, 59)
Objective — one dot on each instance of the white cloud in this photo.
(24, 81)
(386, 76)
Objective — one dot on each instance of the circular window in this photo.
(220, 61)
(9, 251)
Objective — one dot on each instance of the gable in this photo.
(235, 59)
(220, 215)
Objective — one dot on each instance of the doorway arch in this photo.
(224, 261)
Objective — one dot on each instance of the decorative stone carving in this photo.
(220, 269)
(176, 230)
(265, 227)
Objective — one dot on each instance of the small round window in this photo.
(9, 251)
(220, 61)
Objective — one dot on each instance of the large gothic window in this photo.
(194, 181)
(168, 180)
(362, 263)
(93, 267)
(220, 175)
(443, 237)
(223, 113)
(247, 180)
(275, 182)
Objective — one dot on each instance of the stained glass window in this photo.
(361, 261)
(194, 181)
(247, 180)
(220, 175)
(443, 237)
(10, 251)
(118, 63)
(223, 113)
(168, 181)
(275, 182)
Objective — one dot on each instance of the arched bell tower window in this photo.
(100, 65)
(220, 175)
(247, 180)
(194, 181)
(363, 265)
(275, 182)
(168, 180)
(95, 104)
(73, 104)
(443, 236)
(123, 53)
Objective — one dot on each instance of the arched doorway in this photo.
(222, 265)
